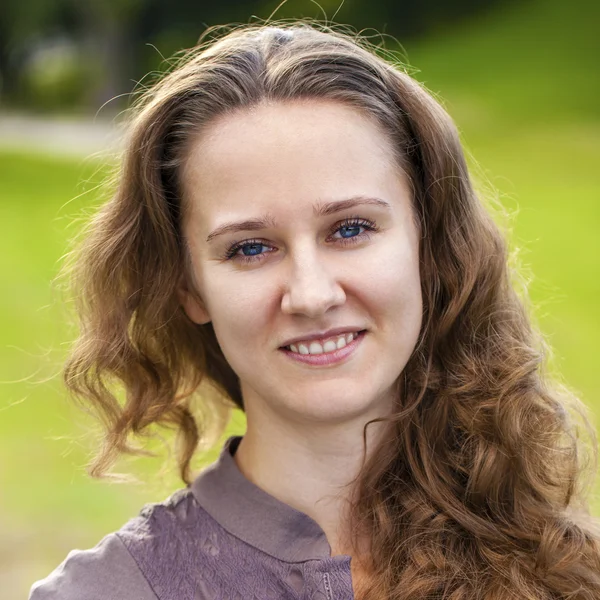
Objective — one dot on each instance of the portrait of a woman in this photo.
(295, 228)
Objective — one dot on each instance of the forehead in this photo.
(280, 156)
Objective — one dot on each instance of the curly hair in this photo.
(474, 493)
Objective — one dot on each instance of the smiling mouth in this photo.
(325, 346)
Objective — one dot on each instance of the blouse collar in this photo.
(254, 516)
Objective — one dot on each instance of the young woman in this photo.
(295, 228)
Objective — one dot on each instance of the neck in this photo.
(309, 468)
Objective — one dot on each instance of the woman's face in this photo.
(305, 253)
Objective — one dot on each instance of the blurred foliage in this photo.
(118, 41)
(57, 80)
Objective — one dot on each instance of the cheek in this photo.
(392, 279)
(401, 308)
(239, 307)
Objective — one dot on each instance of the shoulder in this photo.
(105, 572)
(130, 563)
(166, 524)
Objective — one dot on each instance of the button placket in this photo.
(327, 586)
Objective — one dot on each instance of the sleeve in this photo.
(105, 572)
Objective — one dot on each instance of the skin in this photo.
(279, 162)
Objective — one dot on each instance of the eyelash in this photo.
(368, 225)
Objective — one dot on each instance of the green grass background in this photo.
(522, 85)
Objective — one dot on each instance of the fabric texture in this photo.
(106, 572)
(222, 538)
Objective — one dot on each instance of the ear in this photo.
(192, 304)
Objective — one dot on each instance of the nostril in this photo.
(312, 300)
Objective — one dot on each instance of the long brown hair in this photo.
(474, 493)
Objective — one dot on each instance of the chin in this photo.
(323, 405)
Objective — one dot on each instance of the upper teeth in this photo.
(331, 344)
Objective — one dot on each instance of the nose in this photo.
(311, 289)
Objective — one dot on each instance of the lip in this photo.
(321, 334)
(327, 358)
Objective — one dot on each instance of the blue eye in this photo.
(354, 229)
(252, 249)
(348, 231)
(248, 251)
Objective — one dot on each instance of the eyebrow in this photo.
(320, 210)
(248, 225)
(330, 208)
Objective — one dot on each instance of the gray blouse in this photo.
(221, 538)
